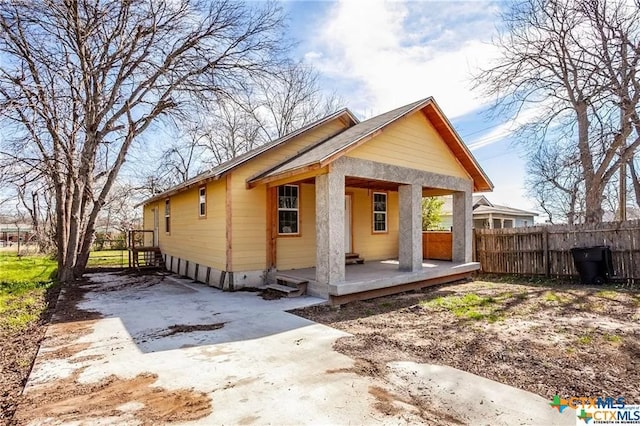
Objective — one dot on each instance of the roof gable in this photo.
(327, 151)
(412, 142)
(481, 200)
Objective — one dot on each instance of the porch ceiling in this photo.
(354, 182)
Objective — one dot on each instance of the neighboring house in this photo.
(307, 201)
(490, 216)
(10, 234)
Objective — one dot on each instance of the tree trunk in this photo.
(635, 180)
(593, 203)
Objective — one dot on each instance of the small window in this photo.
(288, 209)
(379, 212)
(202, 201)
(167, 216)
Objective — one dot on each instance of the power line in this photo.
(481, 130)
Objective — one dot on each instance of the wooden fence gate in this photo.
(546, 250)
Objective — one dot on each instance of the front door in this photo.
(348, 244)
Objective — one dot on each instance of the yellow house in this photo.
(299, 207)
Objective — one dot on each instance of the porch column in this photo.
(330, 228)
(462, 232)
(410, 230)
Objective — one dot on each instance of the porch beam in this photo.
(330, 247)
(462, 226)
(366, 169)
(410, 229)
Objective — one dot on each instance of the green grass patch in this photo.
(15, 269)
(585, 340)
(553, 297)
(607, 294)
(470, 306)
(24, 281)
(613, 338)
(550, 296)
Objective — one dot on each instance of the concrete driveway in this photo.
(162, 349)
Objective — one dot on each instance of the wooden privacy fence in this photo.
(546, 250)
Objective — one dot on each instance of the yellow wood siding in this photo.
(196, 239)
(147, 222)
(300, 251)
(373, 246)
(249, 206)
(414, 143)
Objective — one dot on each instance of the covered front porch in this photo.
(380, 278)
(375, 210)
(411, 185)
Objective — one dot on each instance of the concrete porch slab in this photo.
(374, 275)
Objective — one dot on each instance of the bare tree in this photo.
(185, 154)
(268, 107)
(33, 193)
(290, 100)
(575, 63)
(81, 81)
(554, 181)
(118, 214)
(228, 133)
(37, 200)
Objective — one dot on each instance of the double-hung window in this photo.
(288, 209)
(202, 201)
(379, 212)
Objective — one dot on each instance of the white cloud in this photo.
(393, 53)
(507, 128)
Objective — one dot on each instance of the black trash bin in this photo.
(593, 264)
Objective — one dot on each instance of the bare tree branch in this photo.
(575, 63)
(81, 81)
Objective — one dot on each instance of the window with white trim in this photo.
(288, 209)
(167, 216)
(379, 212)
(202, 201)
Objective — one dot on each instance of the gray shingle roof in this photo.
(447, 208)
(503, 210)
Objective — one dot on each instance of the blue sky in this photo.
(379, 55)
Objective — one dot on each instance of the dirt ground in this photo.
(566, 339)
(17, 352)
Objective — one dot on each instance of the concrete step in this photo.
(299, 285)
(288, 290)
(290, 281)
(353, 258)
